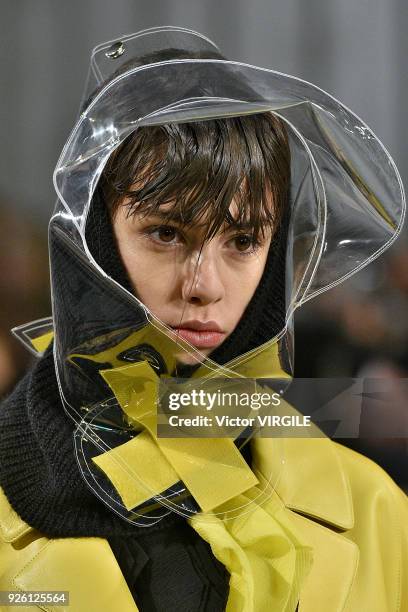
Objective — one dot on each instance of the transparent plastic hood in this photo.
(347, 194)
(347, 206)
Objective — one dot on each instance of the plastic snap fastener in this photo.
(115, 50)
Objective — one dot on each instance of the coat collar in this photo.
(308, 476)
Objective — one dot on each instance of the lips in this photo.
(201, 334)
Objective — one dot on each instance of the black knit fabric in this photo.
(38, 469)
(102, 243)
(178, 560)
(167, 566)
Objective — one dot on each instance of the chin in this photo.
(188, 359)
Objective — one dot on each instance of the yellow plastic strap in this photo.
(119, 466)
(213, 470)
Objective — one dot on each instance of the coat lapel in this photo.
(335, 560)
(309, 478)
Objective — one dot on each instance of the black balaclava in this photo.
(38, 469)
(167, 566)
(264, 316)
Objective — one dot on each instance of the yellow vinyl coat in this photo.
(333, 536)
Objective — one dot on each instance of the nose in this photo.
(202, 283)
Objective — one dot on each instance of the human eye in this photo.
(165, 235)
(244, 244)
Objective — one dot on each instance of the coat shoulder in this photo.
(380, 531)
(367, 478)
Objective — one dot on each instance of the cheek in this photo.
(242, 285)
(151, 282)
(152, 276)
(249, 275)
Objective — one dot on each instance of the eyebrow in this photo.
(175, 217)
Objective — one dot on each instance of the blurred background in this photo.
(355, 49)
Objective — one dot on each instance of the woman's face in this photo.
(199, 289)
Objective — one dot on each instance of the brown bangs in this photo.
(200, 168)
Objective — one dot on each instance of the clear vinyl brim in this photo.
(347, 196)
